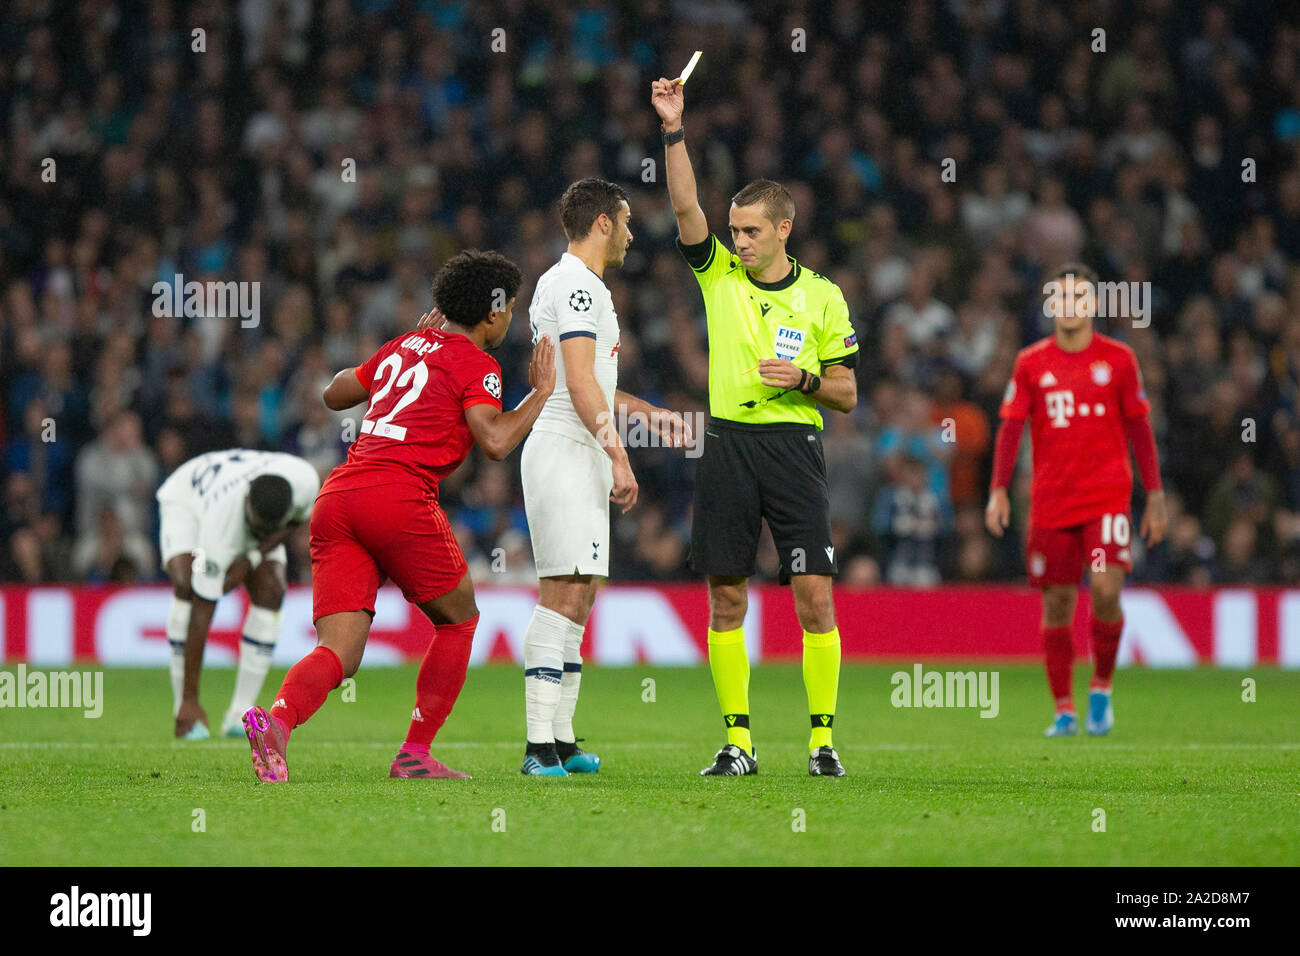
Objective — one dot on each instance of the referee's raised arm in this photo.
(666, 96)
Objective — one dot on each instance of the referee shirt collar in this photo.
(790, 279)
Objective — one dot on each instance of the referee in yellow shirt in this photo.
(780, 345)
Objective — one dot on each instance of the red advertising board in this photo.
(1164, 627)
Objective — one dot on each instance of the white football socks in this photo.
(178, 625)
(569, 682)
(544, 644)
(261, 631)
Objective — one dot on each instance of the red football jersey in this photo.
(1076, 403)
(415, 431)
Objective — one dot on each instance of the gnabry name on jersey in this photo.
(419, 344)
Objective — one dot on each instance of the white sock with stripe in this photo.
(178, 626)
(543, 667)
(261, 631)
(569, 683)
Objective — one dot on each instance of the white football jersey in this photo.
(213, 487)
(572, 300)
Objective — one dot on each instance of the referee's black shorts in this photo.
(750, 472)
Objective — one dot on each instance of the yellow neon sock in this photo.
(821, 678)
(729, 663)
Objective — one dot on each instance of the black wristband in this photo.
(803, 380)
(676, 136)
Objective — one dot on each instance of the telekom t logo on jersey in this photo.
(1061, 408)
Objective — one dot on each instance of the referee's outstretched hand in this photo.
(667, 99)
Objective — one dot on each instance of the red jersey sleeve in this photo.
(1132, 394)
(366, 370)
(481, 383)
(1016, 399)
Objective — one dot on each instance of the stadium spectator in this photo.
(1243, 492)
(910, 518)
(37, 452)
(116, 472)
(964, 425)
(914, 436)
(336, 154)
(111, 552)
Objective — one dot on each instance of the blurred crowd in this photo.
(942, 154)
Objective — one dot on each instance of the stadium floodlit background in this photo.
(229, 164)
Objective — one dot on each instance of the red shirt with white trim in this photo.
(1076, 403)
(414, 431)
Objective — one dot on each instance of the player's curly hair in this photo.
(585, 201)
(473, 283)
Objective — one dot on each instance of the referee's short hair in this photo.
(584, 202)
(777, 204)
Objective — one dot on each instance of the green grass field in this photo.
(1192, 775)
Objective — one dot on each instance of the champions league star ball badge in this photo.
(580, 301)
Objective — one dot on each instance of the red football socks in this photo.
(306, 686)
(442, 675)
(1058, 642)
(1105, 648)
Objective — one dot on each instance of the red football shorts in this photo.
(361, 536)
(1060, 555)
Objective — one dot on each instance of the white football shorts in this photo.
(178, 533)
(566, 497)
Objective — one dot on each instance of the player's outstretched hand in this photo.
(673, 430)
(189, 713)
(625, 488)
(541, 370)
(1155, 518)
(431, 320)
(998, 514)
(668, 101)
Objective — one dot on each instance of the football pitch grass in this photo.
(1192, 775)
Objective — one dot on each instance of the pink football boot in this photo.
(413, 766)
(269, 743)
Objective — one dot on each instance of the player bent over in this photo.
(224, 517)
(1082, 393)
(433, 394)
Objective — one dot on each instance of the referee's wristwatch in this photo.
(809, 383)
(676, 136)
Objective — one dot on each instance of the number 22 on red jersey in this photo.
(410, 382)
